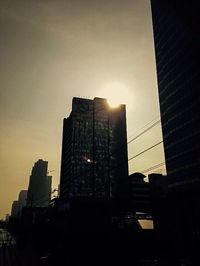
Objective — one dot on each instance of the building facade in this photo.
(39, 190)
(15, 210)
(22, 201)
(139, 192)
(22, 198)
(94, 150)
(176, 27)
(177, 49)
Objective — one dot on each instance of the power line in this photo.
(136, 137)
(130, 141)
(123, 162)
(140, 134)
(153, 146)
(144, 126)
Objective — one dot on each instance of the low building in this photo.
(139, 191)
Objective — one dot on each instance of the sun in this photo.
(117, 93)
(113, 103)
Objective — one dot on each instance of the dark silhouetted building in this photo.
(158, 196)
(22, 198)
(158, 185)
(139, 191)
(15, 210)
(176, 27)
(39, 190)
(18, 205)
(7, 217)
(94, 150)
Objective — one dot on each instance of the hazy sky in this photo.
(51, 51)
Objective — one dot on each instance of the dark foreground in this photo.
(118, 248)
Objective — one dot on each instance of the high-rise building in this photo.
(39, 190)
(94, 150)
(176, 26)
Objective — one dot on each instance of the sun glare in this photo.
(112, 103)
(116, 94)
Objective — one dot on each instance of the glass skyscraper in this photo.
(94, 150)
(176, 26)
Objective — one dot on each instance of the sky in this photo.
(51, 51)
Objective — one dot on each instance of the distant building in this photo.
(139, 191)
(7, 217)
(15, 210)
(141, 200)
(22, 198)
(94, 150)
(39, 190)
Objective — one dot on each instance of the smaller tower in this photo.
(39, 190)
